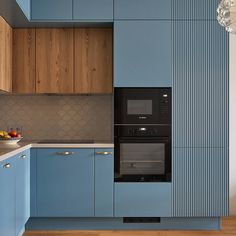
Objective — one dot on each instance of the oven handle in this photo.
(145, 140)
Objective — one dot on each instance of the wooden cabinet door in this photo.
(93, 60)
(5, 56)
(54, 60)
(24, 80)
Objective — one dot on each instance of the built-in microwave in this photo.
(142, 106)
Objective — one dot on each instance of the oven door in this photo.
(140, 159)
(142, 106)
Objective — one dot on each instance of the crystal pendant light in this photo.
(227, 15)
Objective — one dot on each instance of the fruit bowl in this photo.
(10, 141)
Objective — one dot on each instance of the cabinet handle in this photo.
(65, 153)
(103, 153)
(23, 157)
(7, 166)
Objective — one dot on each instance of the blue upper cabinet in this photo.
(200, 84)
(51, 10)
(101, 10)
(194, 9)
(65, 183)
(25, 6)
(142, 9)
(142, 54)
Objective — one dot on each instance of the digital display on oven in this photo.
(139, 107)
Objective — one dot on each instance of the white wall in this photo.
(232, 126)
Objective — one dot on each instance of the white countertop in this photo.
(7, 151)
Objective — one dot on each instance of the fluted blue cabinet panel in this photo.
(65, 183)
(7, 198)
(93, 10)
(25, 6)
(142, 9)
(142, 200)
(194, 9)
(104, 181)
(200, 84)
(142, 54)
(51, 9)
(200, 185)
(22, 190)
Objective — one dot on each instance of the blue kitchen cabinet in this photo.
(200, 84)
(65, 182)
(194, 9)
(25, 6)
(22, 164)
(142, 54)
(104, 181)
(7, 197)
(142, 200)
(200, 185)
(98, 10)
(142, 9)
(51, 10)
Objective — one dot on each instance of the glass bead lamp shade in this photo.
(227, 15)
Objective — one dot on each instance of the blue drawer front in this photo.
(51, 9)
(93, 10)
(65, 184)
(142, 200)
(104, 181)
(142, 9)
(194, 9)
(142, 55)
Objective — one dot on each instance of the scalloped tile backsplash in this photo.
(58, 117)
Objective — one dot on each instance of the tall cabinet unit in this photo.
(200, 112)
(142, 43)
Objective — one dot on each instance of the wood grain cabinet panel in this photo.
(54, 60)
(93, 60)
(24, 80)
(5, 56)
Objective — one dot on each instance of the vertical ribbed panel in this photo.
(194, 9)
(200, 84)
(200, 182)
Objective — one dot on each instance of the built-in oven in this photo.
(142, 134)
(142, 106)
(143, 153)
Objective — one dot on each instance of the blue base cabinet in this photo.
(142, 200)
(72, 182)
(7, 197)
(65, 183)
(22, 174)
(104, 181)
(142, 54)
